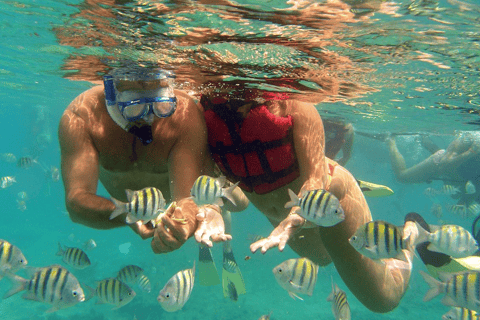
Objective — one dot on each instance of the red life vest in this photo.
(256, 150)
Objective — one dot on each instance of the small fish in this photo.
(54, 173)
(461, 289)
(380, 240)
(143, 205)
(247, 258)
(176, 291)
(297, 276)
(340, 306)
(21, 205)
(474, 208)
(457, 313)
(458, 209)
(90, 244)
(8, 157)
(144, 283)
(129, 274)
(232, 291)
(436, 210)
(114, 291)
(22, 195)
(431, 192)
(449, 190)
(26, 162)
(265, 316)
(470, 188)
(209, 190)
(53, 284)
(133, 274)
(7, 182)
(318, 206)
(74, 257)
(449, 239)
(11, 258)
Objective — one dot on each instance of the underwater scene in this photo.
(395, 84)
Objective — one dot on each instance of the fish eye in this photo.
(167, 295)
(74, 293)
(280, 270)
(354, 238)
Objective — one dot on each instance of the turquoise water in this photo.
(406, 67)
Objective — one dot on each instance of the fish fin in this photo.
(436, 287)
(228, 193)
(234, 277)
(448, 301)
(432, 247)
(131, 219)
(294, 199)
(207, 271)
(91, 292)
(130, 194)
(222, 180)
(293, 295)
(60, 250)
(119, 208)
(423, 235)
(52, 309)
(18, 284)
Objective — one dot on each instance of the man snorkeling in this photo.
(134, 132)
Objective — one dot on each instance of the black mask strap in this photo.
(144, 133)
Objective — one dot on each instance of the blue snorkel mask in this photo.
(138, 95)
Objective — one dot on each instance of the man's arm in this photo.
(186, 162)
(79, 165)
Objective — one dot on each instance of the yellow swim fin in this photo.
(374, 190)
(231, 272)
(207, 271)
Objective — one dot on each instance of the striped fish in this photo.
(460, 289)
(379, 240)
(318, 206)
(74, 257)
(7, 182)
(114, 291)
(449, 190)
(297, 276)
(474, 209)
(470, 188)
(133, 274)
(144, 283)
(177, 291)
(232, 291)
(143, 205)
(11, 258)
(209, 190)
(26, 162)
(458, 209)
(449, 239)
(54, 285)
(456, 313)
(265, 316)
(340, 306)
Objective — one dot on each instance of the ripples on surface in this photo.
(382, 65)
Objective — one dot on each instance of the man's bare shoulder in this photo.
(88, 103)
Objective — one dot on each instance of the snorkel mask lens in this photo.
(139, 93)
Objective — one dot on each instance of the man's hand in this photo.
(280, 234)
(210, 225)
(143, 230)
(173, 228)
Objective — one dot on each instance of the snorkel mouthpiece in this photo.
(144, 133)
